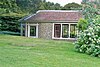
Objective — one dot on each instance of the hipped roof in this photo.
(53, 16)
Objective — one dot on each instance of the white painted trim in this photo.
(69, 30)
(53, 31)
(26, 30)
(36, 30)
(61, 31)
(33, 24)
(59, 11)
(65, 38)
(29, 16)
(64, 23)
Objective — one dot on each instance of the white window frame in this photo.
(61, 31)
(36, 30)
(27, 30)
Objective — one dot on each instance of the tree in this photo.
(42, 5)
(57, 6)
(12, 10)
(96, 2)
(8, 6)
(29, 6)
(49, 6)
(90, 12)
(72, 6)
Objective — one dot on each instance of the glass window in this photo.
(32, 30)
(65, 30)
(73, 31)
(57, 30)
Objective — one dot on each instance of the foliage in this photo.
(12, 10)
(2, 11)
(89, 41)
(49, 6)
(72, 6)
(96, 2)
(28, 6)
(9, 23)
(82, 24)
(9, 6)
(19, 6)
(89, 38)
(10, 33)
(89, 12)
(97, 19)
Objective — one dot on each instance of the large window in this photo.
(57, 30)
(73, 31)
(65, 31)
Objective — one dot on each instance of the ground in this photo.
(16, 51)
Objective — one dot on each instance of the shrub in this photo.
(89, 40)
(82, 24)
(10, 33)
(89, 34)
(9, 24)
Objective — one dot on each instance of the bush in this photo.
(82, 24)
(9, 33)
(89, 33)
(89, 40)
(9, 24)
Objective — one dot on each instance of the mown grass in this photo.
(18, 51)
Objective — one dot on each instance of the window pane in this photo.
(73, 31)
(65, 30)
(32, 30)
(57, 30)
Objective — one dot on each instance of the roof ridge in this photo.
(58, 11)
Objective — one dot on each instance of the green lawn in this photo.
(18, 51)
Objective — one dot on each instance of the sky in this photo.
(63, 2)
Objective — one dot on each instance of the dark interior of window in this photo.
(73, 31)
(57, 30)
(65, 30)
(32, 30)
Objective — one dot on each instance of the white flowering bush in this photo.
(89, 40)
(89, 31)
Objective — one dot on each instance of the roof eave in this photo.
(75, 21)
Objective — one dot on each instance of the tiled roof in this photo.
(54, 15)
